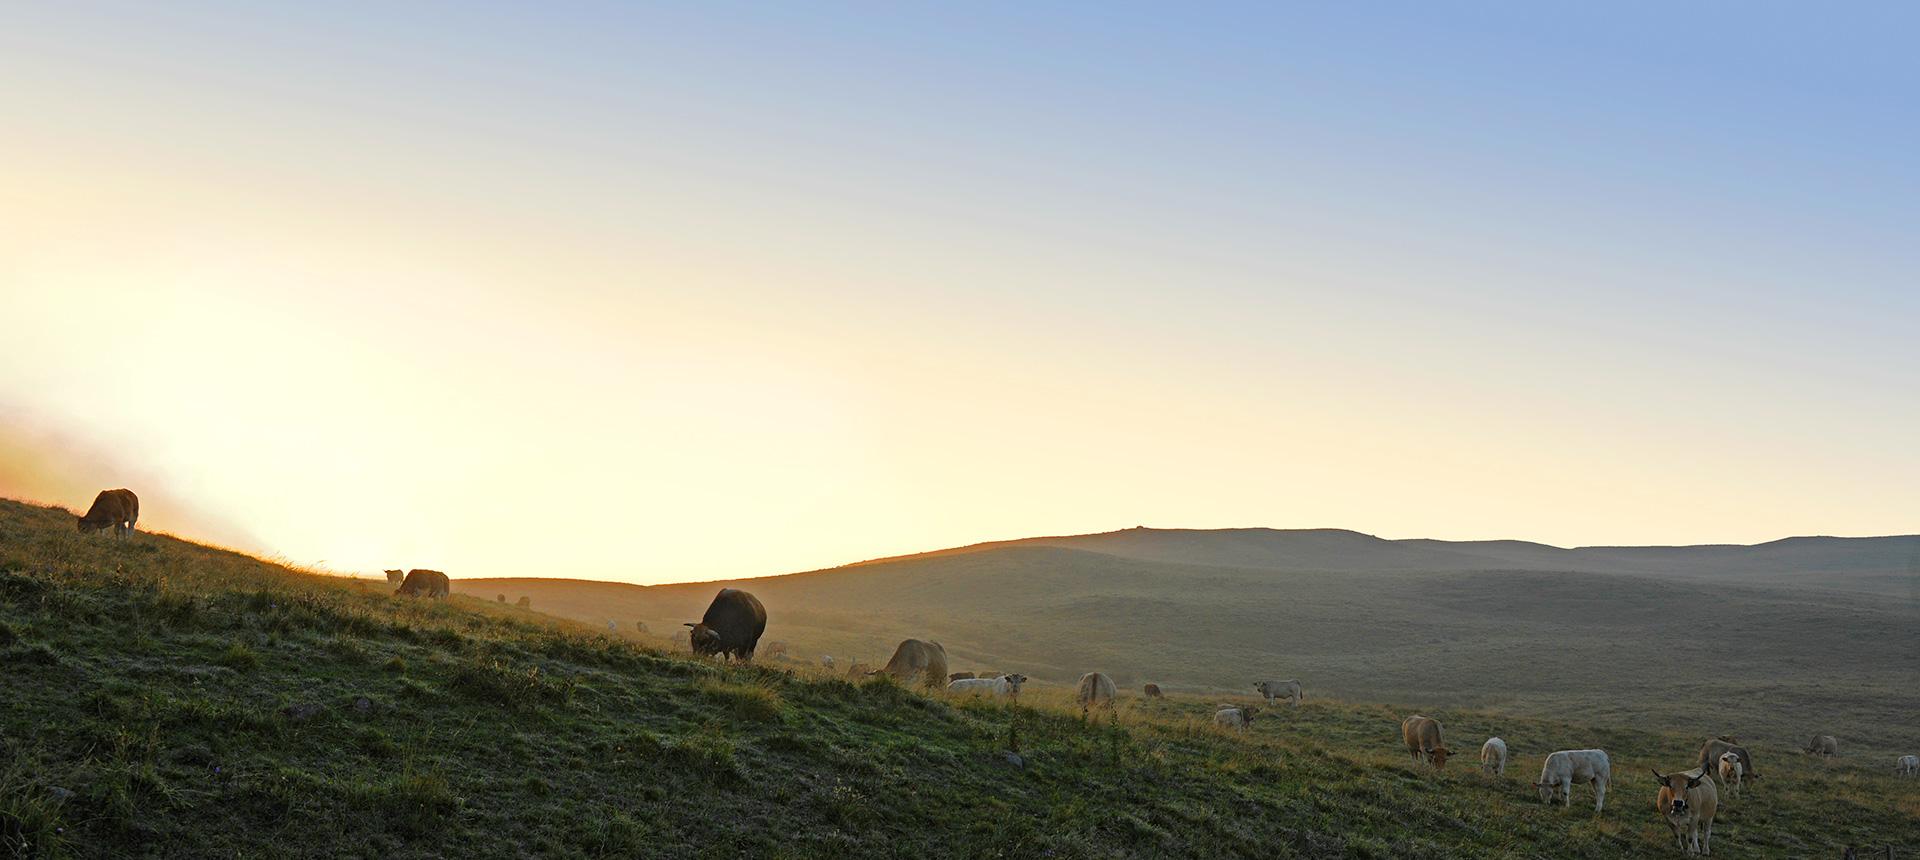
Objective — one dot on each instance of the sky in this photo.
(678, 292)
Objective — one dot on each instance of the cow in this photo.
(1153, 691)
(115, 509)
(1565, 768)
(960, 676)
(731, 627)
(1823, 745)
(1730, 770)
(1688, 801)
(1907, 765)
(1422, 735)
(1711, 751)
(1493, 756)
(826, 661)
(1280, 690)
(1095, 690)
(424, 583)
(1235, 718)
(1007, 686)
(928, 660)
(395, 577)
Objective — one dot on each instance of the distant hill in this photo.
(1826, 629)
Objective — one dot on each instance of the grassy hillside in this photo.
(166, 699)
(1790, 661)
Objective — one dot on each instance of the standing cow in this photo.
(915, 658)
(424, 583)
(1493, 756)
(1730, 771)
(1563, 769)
(115, 509)
(1422, 736)
(1711, 751)
(1289, 690)
(1152, 691)
(1907, 765)
(1235, 718)
(1095, 690)
(1824, 745)
(732, 625)
(1688, 802)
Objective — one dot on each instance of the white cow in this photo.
(1493, 756)
(1235, 718)
(1280, 690)
(1566, 767)
(1730, 772)
(1007, 686)
(1907, 765)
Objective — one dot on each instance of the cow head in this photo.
(1249, 714)
(395, 577)
(1676, 785)
(1438, 755)
(705, 640)
(1014, 680)
(84, 526)
(1547, 791)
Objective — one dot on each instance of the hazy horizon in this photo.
(684, 294)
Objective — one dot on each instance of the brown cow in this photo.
(1153, 691)
(1422, 735)
(424, 583)
(1688, 801)
(395, 577)
(115, 509)
(926, 660)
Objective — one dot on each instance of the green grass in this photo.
(166, 699)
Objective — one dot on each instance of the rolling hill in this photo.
(1824, 631)
(164, 699)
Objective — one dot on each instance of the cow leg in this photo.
(1706, 844)
(1599, 796)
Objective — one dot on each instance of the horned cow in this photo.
(1564, 768)
(1688, 801)
(1422, 735)
(115, 509)
(731, 626)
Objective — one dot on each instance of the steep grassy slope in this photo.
(1663, 651)
(164, 699)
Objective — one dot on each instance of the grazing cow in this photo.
(826, 661)
(960, 676)
(1711, 751)
(524, 602)
(1007, 686)
(1688, 802)
(732, 625)
(1280, 690)
(115, 509)
(1422, 735)
(1824, 745)
(1565, 768)
(1493, 756)
(1730, 770)
(424, 583)
(395, 577)
(928, 660)
(1907, 765)
(1153, 691)
(1095, 690)
(1235, 718)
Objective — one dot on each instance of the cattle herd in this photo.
(734, 622)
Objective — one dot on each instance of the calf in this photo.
(1235, 718)
(1688, 801)
(1493, 756)
(1730, 772)
(1565, 768)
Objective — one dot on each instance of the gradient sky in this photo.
(706, 290)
